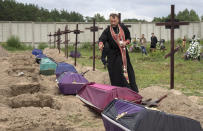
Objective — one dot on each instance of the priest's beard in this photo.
(114, 25)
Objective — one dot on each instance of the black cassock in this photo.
(153, 42)
(114, 60)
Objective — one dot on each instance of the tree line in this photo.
(10, 10)
(185, 15)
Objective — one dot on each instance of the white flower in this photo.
(194, 50)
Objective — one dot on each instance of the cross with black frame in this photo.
(66, 32)
(76, 32)
(172, 24)
(50, 35)
(94, 29)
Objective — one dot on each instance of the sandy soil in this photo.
(29, 101)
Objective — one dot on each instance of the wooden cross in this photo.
(172, 24)
(94, 29)
(119, 16)
(54, 39)
(50, 38)
(58, 34)
(76, 32)
(66, 32)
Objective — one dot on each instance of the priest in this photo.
(120, 70)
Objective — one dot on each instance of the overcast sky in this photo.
(141, 9)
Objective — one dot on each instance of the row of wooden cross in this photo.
(57, 39)
(170, 24)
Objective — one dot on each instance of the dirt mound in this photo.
(27, 118)
(98, 76)
(5, 92)
(45, 119)
(25, 59)
(22, 88)
(36, 100)
(175, 102)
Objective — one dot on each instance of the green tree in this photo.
(194, 16)
(202, 17)
(159, 19)
(65, 16)
(97, 17)
(184, 15)
(55, 15)
(76, 17)
(10, 10)
(133, 20)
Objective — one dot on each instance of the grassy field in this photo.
(154, 69)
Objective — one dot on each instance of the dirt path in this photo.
(29, 101)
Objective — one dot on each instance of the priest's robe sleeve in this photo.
(103, 37)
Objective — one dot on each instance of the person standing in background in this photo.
(134, 45)
(143, 43)
(184, 42)
(153, 42)
(135, 40)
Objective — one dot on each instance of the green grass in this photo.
(13, 44)
(154, 69)
(23, 47)
(42, 45)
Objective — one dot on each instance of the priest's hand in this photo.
(101, 45)
(124, 43)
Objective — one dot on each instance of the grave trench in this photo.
(31, 73)
(27, 93)
(22, 60)
(30, 77)
(14, 71)
(34, 100)
(18, 62)
(23, 88)
(22, 69)
(24, 56)
(26, 83)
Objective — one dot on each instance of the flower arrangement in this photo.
(194, 50)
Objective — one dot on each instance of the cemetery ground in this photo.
(33, 102)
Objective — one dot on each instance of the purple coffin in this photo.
(98, 96)
(113, 113)
(122, 115)
(70, 83)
